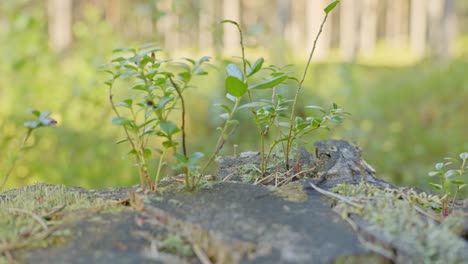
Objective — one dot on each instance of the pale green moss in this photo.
(392, 213)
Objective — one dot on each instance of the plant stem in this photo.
(221, 139)
(15, 158)
(176, 87)
(158, 172)
(291, 118)
(143, 175)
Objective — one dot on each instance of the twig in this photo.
(201, 255)
(292, 177)
(336, 196)
(19, 243)
(425, 213)
(33, 215)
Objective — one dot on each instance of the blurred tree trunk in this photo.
(296, 26)
(418, 27)
(168, 26)
(441, 28)
(397, 22)
(113, 12)
(348, 29)
(314, 18)
(231, 11)
(368, 26)
(59, 24)
(206, 24)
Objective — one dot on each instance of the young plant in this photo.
(42, 119)
(273, 113)
(450, 179)
(156, 90)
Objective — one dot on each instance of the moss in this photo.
(293, 192)
(175, 244)
(38, 211)
(392, 213)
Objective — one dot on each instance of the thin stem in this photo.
(176, 87)
(15, 158)
(157, 179)
(130, 140)
(291, 118)
(220, 142)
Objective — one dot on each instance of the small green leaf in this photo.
(458, 182)
(270, 83)
(434, 173)
(452, 173)
(168, 127)
(235, 86)
(32, 124)
(224, 107)
(316, 107)
(255, 67)
(464, 155)
(331, 6)
(439, 165)
(233, 70)
(121, 141)
(436, 186)
(180, 157)
(121, 121)
(253, 105)
(147, 153)
(195, 157)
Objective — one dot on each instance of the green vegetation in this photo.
(34, 216)
(450, 179)
(157, 89)
(42, 120)
(404, 116)
(411, 228)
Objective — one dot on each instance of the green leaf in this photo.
(436, 186)
(233, 70)
(147, 153)
(452, 173)
(125, 103)
(434, 173)
(225, 108)
(169, 127)
(255, 67)
(464, 155)
(336, 119)
(121, 121)
(32, 124)
(331, 6)
(458, 182)
(462, 186)
(121, 141)
(235, 86)
(195, 157)
(321, 109)
(253, 105)
(180, 157)
(270, 83)
(439, 165)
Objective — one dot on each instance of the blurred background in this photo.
(399, 66)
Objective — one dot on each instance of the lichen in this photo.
(392, 213)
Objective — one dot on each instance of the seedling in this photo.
(156, 90)
(279, 113)
(42, 119)
(450, 178)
